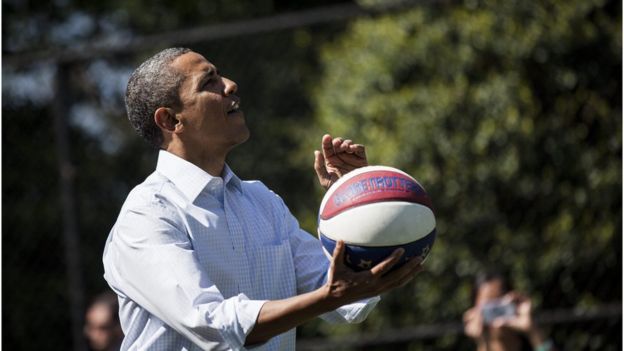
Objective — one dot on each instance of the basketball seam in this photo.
(372, 201)
(375, 246)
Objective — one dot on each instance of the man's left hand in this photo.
(337, 158)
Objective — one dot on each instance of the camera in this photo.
(497, 309)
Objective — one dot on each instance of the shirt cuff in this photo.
(247, 312)
(352, 313)
(358, 311)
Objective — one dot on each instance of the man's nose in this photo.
(230, 87)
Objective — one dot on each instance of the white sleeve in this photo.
(151, 260)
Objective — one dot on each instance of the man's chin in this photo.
(243, 137)
(246, 136)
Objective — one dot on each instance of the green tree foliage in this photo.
(509, 113)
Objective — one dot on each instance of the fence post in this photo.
(71, 240)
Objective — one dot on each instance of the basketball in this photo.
(375, 210)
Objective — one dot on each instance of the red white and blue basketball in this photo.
(375, 210)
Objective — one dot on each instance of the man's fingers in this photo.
(327, 146)
(336, 144)
(346, 146)
(342, 155)
(359, 150)
(412, 267)
(333, 146)
(384, 266)
(325, 178)
(338, 255)
(409, 274)
(319, 165)
(408, 278)
(353, 155)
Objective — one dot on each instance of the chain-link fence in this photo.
(70, 158)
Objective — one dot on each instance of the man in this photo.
(102, 328)
(501, 319)
(203, 260)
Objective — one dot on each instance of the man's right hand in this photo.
(346, 286)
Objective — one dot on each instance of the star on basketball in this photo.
(365, 264)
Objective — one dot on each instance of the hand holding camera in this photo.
(514, 310)
(501, 318)
(498, 309)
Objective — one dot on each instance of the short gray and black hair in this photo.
(154, 84)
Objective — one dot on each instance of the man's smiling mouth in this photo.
(234, 107)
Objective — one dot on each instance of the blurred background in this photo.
(508, 112)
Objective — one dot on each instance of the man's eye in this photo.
(208, 82)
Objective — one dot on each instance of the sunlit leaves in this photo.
(510, 118)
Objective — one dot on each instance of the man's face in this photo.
(211, 119)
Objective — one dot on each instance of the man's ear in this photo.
(165, 119)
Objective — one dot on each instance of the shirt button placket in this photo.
(232, 213)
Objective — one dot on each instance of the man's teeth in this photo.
(234, 106)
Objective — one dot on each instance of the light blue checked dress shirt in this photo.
(194, 257)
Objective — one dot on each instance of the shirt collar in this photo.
(189, 178)
(230, 178)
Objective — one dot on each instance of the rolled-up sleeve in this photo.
(151, 260)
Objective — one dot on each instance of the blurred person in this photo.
(102, 328)
(203, 260)
(501, 319)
